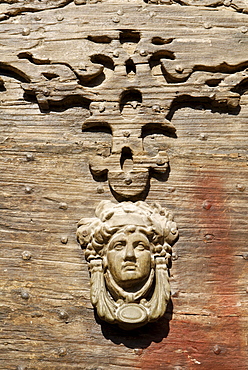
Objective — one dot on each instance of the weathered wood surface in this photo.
(47, 321)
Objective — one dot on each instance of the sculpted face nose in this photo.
(129, 255)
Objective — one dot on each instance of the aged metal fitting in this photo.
(129, 275)
(26, 255)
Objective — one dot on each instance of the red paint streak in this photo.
(184, 348)
(191, 345)
(215, 223)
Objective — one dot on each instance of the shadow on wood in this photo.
(141, 337)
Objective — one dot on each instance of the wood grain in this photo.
(47, 321)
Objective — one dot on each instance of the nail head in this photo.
(62, 352)
(24, 294)
(100, 189)
(30, 157)
(64, 239)
(207, 25)
(243, 29)
(26, 255)
(28, 189)
(143, 52)
(240, 187)
(208, 237)
(217, 349)
(174, 256)
(63, 315)
(60, 17)
(206, 205)
(156, 108)
(203, 136)
(128, 181)
(116, 19)
(25, 31)
(179, 69)
(63, 205)
(126, 133)
(160, 161)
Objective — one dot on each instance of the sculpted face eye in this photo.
(141, 246)
(118, 245)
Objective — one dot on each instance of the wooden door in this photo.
(62, 62)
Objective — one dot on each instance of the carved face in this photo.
(129, 258)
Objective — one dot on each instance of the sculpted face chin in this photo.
(129, 258)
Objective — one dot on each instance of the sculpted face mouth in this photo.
(129, 266)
